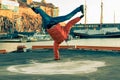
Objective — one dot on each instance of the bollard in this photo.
(21, 48)
(3, 51)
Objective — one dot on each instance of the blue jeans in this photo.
(49, 21)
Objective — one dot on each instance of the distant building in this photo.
(49, 8)
(55, 12)
(9, 12)
(29, 1)
(9, 5)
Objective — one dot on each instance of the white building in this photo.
(9, 5)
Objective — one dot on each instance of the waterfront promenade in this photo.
(111, 42)
(75, 64)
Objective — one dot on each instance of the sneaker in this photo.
(33, 8)
(82, 9)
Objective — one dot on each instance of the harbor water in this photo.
(73, 65)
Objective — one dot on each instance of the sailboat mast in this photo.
(85, 11)
(101, 17)
(114, 18)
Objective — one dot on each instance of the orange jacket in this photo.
(59, 34)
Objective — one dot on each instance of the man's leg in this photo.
(56, 51)
(58, 19)
(50, 21)
(69, 25)
(45, 17)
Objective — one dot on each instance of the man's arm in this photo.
(56, 51)
(72, 22)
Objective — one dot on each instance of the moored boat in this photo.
(109, 32)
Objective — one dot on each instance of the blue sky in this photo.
(93, 9)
